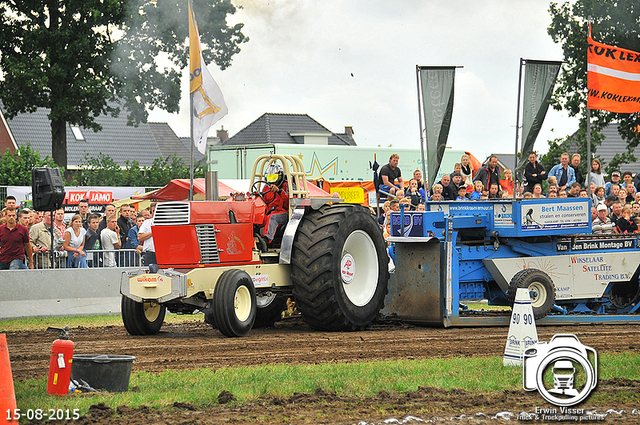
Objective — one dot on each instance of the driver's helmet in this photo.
(274, 174)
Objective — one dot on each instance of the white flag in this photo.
(208, 102)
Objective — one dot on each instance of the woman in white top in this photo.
(595, 175)
(74, 244)
(466, 171)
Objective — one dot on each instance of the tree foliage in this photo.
(15, 168)
(614, 22)
(102, 170)
(83, 58)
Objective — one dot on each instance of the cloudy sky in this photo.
(352, 63)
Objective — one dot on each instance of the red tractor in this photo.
(330, 257)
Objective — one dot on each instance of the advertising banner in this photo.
(613, 78)
(539, 80)
(568, 216)
(437, 102)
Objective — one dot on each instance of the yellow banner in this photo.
(195, 66)
(351, 195)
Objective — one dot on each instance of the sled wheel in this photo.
(339, 267)
(541, 290)
(142, 318)
(234, 303)
(270, 308)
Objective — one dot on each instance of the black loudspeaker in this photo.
(47, 189)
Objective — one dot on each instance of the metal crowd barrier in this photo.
(95, 258)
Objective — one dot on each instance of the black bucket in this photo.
(109, 372)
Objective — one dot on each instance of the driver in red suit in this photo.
(276, 195)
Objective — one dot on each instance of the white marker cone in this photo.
(522, 329)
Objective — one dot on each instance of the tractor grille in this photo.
(208, 245)
(171, 213)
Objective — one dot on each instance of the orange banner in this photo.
(613, 78)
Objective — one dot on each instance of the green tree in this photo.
(164, 170)
(83, 58)
(100, 170)
(15, 168)
(614, 22)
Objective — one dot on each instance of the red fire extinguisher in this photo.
(60, 365)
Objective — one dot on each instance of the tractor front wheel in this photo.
(142, 318)
(234, 303)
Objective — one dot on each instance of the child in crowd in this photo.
(414, 194)
(625, 224)
(477, 190)
(507, 182)
(406, 203)
(462, 193)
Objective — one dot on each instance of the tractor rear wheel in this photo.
(270, 308)
(339, 267)
(142, 318)
(234, 303)
(541, 290)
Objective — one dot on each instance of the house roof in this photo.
(611, 145)
(117, 140)
(282, 128)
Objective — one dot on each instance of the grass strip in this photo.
(201, 387)
(41, 323)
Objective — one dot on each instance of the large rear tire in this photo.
(339, 268)
(234, 303)
(270, 308)
(142, 318)
(541, 290)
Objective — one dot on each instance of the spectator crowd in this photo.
(87, 240)
(615, 203)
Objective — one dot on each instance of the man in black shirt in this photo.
(389, 174)
(534, 172)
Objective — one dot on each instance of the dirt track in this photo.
(196, 345)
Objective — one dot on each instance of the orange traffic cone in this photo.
(7, 393)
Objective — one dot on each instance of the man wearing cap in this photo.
(615, 179)
(456, 181)
(563, 173)
(602, 224)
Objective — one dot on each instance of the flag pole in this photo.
(588, 125)
(424, 170)
(191, 135)
(192, 143)
(515, 156)
(588, 181)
